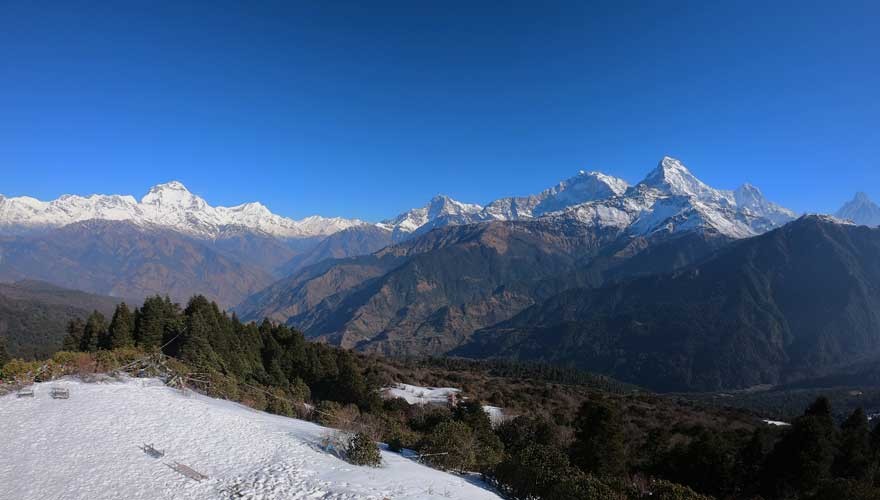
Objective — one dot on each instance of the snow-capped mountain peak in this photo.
(672, 199)
(441, 209)
(443, 205)
(861, 210)
(172, 193)
(672, 177)
(169, 205)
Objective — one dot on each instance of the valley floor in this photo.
(88, 447)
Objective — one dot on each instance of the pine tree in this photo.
(490, 449)
(4, 355)
(94, 333)
(451, 445)
(121, 328)
(854, 459)
(150, 325)
(599, 447)
(750, 461)
(875, 442)
(194, 347)
(802, 460)
(73, 339)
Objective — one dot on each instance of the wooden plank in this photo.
(187, 471)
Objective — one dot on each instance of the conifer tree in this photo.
(73, 340)
(875, 442)
(599, 446)
(4, 355)
(854, 459)
(802, 460)
(195, 348)
(150, 326)
(94, 333)
(121, 328)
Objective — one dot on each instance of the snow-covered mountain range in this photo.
(670, 198)
(443, 210)
(170, 205)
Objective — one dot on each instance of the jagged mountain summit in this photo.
(861, 210)
(169, 206)
(671, 199)
(443, 210)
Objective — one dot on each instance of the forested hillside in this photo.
(800, 302)
(34, 315)
(577, 436)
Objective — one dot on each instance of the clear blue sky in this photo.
(366, 110)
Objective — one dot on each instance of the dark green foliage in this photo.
(875, 442)
(489, 447)
(4, 355)
(361, 450)
(73, 340)
(94, 333)
(750, 461)
(802, 460)
(579, 486)
(151, 320)
(708, 464)
(532, 470)
(524, 431)
(121, 330)
(599, 446)
(855, 458)
(451, 445)
(34, 316)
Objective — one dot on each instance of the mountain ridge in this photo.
(795, 303)
(170, 205)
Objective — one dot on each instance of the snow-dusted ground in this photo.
(88, 447)
(416, 395)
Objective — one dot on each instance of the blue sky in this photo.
(366, 110)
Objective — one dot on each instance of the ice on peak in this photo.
(672, 177)
(172, 193)
(174, 185)
(254, 207)
(169, 205)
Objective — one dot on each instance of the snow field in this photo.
(88, 447)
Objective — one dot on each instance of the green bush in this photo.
(451, 445)
(361, 450)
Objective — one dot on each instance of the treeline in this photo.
(592, 454)
(231, 353)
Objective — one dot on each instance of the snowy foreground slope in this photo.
(88, 447)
